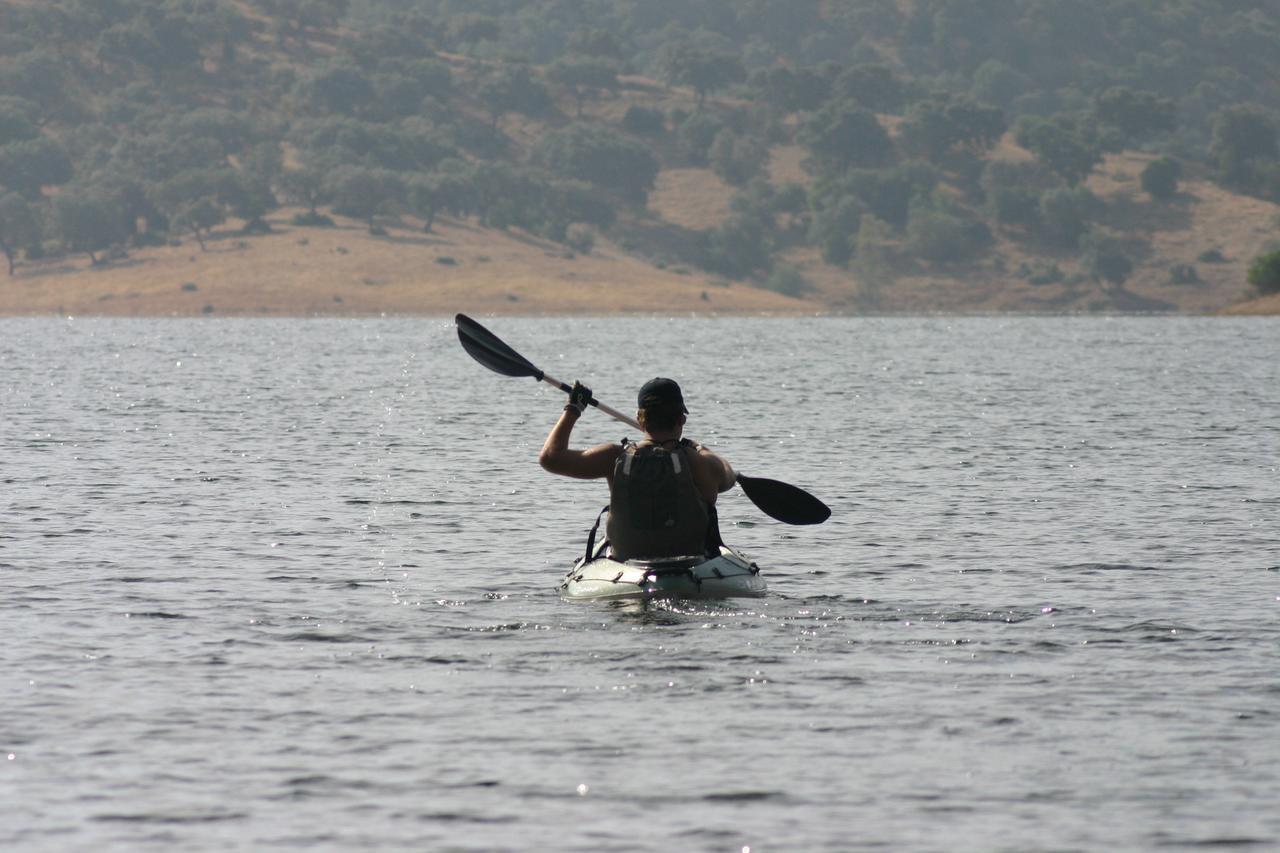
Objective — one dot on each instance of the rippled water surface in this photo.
(290, 584)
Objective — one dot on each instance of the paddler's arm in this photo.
(713, 474)
(556, 456)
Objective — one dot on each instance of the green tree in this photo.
(15, 124)
(363, 193)
(1160, 177)
(339, 89)
(602, 157)
(446, 189)
(873, 260)
(19, 226)
(307, 186)
(735, 159)
(875, 87)
(1105, 260)
(199, 216)
(86, 220)
(696, 134)
(996, 83)
(1065, 215)
(887, 193)
(1012, 190)
(1062, 147)
(1264, 272)
(739, 246)
(196, 200)
(596, 42)
(940, 232)
(835, 222)
(1137, 114)
(36, 76)
(791, 89)
(934, 127)
(30, 164)
(1242, 137)
(842, 135)
(583, 77)
(512, 89)
(704, 70)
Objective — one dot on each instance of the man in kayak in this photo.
(662, 489)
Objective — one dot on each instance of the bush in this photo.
(1065, 214)
(602, 157)
(580, 238)
(1212, 256)
(938, 234)
(1105, 259)
(787, 280)
(735, 159)
(644, 121)
(1264, 273)
(1183, 274)
(1045, 274)
(311, 220)
(1160, 178)
(696, 133)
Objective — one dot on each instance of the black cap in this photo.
(661, 392)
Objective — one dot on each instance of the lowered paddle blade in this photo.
(488, 349)
(783, 501)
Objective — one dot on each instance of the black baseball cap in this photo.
(661, 392)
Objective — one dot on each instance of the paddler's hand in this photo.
(579, 398)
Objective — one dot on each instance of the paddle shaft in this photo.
(608, 410)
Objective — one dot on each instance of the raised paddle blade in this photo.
(783, 501)
(488, 349)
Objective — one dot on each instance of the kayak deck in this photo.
(726, 575)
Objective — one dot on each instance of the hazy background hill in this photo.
(589, 155)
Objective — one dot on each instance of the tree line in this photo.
(130, 122)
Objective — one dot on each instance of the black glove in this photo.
(579, 398)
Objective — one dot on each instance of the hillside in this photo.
(345, 271)
(543, 156)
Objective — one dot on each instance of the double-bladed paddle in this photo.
(783, 501)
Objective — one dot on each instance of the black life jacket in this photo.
(655, 508)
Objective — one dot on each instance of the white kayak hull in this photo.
(726, 575)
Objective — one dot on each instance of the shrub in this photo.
(644, 121)
(1065, 214)
(1044, 274)
(312, 220)
(938, 234)
(1264, 272)
(1212, 256)
(580, 238)
(1160, 178)
(787, 280)
(736, 159)
(1105, 259)
(696, 133)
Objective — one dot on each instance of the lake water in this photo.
(290, 584)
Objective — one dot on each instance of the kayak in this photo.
(727, 575)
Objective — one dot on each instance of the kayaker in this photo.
(662, 488)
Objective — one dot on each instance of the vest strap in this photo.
(595, 528)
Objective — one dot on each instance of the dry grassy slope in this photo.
(344, 270)
(1159, 234)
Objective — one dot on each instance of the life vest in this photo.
(655, 509)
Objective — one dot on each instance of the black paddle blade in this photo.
(488, 349)
(783, 501)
